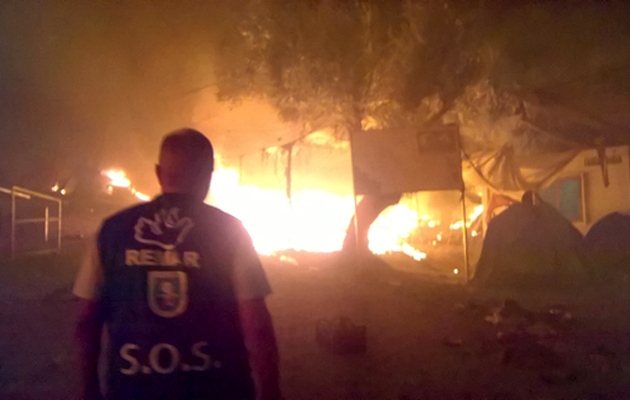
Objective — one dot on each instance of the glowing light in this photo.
(456, 225)
(412, 252)
(477, 211)
(315, 221)
(55, 188)
(391, 228)
(63, 192)
(431, 224)
(456, 271)
(142, 196)
(117, 178)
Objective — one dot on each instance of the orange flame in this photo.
(315, 221)
(118, 178)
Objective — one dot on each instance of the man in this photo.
(181, 291)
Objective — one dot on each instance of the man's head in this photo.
(186, 163)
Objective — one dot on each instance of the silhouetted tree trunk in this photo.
(368, 210)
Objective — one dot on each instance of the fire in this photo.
(314, 221)
(477, 211)
(118, 178)
(391, 229)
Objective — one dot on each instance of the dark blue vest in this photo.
(171, 308)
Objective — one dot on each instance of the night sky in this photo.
(86, 85)
(91, 85)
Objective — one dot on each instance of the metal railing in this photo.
(16, 193)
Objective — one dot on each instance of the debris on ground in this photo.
(341, 336)
(288, 260)
(532, 355)
(541, 330)
(495, 317)
(452, 342)
(561, 376)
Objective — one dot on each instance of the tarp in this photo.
(406, 160)
(503, 170)
(527, 150)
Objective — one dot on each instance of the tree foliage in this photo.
(352, 64)
(347, 65)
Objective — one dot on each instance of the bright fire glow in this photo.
(142, 196)
(477, 211)
(315, 221)
(390, 230)
(118, 178)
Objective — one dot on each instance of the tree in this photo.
(348, 65)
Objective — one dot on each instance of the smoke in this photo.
(96, 84)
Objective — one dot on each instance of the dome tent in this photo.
(530, 243)
(608, 245)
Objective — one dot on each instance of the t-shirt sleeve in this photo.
(90, 276)
(250, 281)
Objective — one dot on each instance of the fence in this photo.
(45, 201)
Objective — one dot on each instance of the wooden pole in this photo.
(464, 215)
(354, 198)
(46, 218)
(13, 222)
(288, 174)
(465, 238)
(59, 226)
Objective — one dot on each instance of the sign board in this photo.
(596, 160)
(406, 160)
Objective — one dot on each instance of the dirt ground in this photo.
(426, 339)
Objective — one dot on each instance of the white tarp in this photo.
(502, 170)
(406, 160)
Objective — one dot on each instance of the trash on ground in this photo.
(341, 336)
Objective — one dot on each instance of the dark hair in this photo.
(191, 144)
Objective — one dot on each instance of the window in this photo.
(565, 194)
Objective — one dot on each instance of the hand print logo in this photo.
(166, 230)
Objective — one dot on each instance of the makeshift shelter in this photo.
(530, 244)
(568, 142)
(608, 246)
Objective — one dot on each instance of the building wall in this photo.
(600, 200)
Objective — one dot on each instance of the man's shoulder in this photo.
(220, 215)
(127, 213)
(223, 221)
